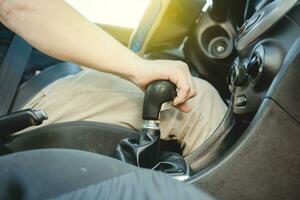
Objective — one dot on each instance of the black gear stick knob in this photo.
(157, 93)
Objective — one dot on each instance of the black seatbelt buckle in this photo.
(18, 121)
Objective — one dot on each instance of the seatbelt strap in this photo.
(11, 72)
(28, 90)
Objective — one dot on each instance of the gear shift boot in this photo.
(142, 152)
(173, 164)
(145, 151)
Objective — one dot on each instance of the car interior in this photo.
(248, 50)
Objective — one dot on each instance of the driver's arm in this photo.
(55, 28)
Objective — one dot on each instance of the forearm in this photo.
(56, 29)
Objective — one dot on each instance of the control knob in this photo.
(238, 75)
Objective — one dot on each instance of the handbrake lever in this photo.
(15, 122)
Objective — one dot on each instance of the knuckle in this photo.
(186, 92)
(179, 62)
(182, 64)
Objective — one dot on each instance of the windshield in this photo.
(124, 13)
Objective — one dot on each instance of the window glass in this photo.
(124, 13)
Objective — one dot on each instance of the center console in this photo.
(261, 161)
(262, 44)
(262, 56)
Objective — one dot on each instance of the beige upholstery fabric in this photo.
(101, 97)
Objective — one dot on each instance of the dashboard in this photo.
(263, 44)
(262, 21)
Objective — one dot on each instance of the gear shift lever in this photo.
(158, 92)
(145, 151)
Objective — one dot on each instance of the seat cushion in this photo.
(70, 174)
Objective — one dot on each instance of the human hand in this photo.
(175, 71)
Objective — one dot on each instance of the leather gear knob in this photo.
(157, 93)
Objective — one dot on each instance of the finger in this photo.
(193, 91)
(192, 94)
(183, 90)
(184, 107)
(182, 96)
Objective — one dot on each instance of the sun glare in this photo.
(124, 13)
